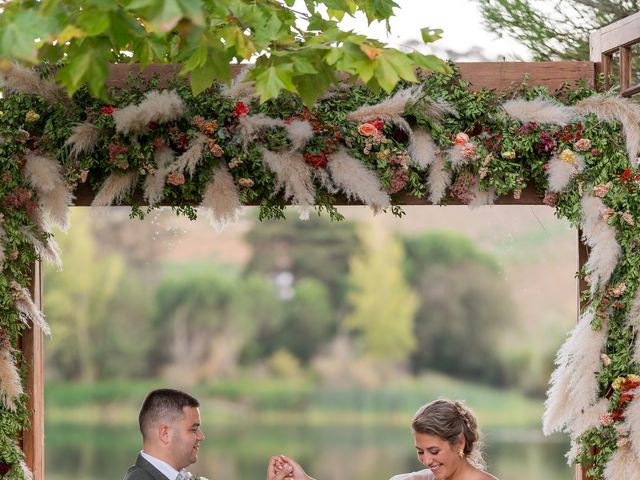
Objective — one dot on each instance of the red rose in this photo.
(4, 468)
(241, 109)
(108, 110)
(379, 124)
(316, 160)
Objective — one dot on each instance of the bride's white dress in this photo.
(421, 475)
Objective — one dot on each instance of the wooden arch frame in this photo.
(618, 37)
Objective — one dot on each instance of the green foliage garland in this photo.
(509, 156)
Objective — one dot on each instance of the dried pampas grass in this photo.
(601, 237)
(47, 250)
(221, 199)
(159, 107)
(589, 418)
(15, 78)
(389, 110)
(190, 159)
(154, 182)
(251, 125)
(455, 156)
(83, 139)
(357, 181)
(10, 385)
(26, 471)
(422, 148)
(240, 88)
(54, 197)
(574, 386)
(293, 176)
(482, 198)
(436, 109)
(24, 304)
(115, 188)
(623, 110)
(300, 132)
(623, 465)
(540, 110)
(439, 180)
(560, 173)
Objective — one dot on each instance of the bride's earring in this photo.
(460, 453)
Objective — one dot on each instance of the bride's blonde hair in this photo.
(450, 420)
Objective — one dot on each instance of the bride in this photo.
(447, 441)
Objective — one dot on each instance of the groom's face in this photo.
(186, 437)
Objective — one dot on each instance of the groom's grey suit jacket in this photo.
(143, 470)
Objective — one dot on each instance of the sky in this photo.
(460, 20)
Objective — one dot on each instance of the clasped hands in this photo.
(282, 467)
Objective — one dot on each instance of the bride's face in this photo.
(438, 455)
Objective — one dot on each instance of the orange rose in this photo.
(367, 129)
(461, 139)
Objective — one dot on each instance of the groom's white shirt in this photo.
(166, 469)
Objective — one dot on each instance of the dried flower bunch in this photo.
(222, 149)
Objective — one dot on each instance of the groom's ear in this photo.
(164, 434)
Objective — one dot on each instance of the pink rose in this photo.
(461, 139)
(175, 178)
(469, 150)
(601, 189)
(582, 145)
(606, 419)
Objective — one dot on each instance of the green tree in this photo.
(464, 304)
(205, 317)
(294, 50)
(383, 305)
(84, 301)
(561, 33)
(316, 249)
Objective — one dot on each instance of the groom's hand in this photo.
(277, 469)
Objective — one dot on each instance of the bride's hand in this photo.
(278, 470)
(296, 471)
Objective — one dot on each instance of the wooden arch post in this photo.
(491, 75)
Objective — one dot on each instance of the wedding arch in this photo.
(477, 135)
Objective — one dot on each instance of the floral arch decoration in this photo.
(576, 148)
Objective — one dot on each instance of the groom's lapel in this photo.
(149, 468)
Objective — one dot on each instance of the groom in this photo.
(170, 425)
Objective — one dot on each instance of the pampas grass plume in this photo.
(623, 465)
(439, 180)
(55, 199)
(190, 159)
(221, 198)
(154, 183)
(300, 132)
(540, 110)
(357, 181)
(10, 385)
(19, 79)
(601, 237)
(83, 139)
(293, 175)
(560, 173)
(252, 125)
(422, 148)
(160, 107)
(115, 188)
(24, 304)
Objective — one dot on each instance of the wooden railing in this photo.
(619, 37)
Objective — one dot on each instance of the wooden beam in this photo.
(622, 33)
(32, 351)
(493, 75)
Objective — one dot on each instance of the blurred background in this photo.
(310, 338)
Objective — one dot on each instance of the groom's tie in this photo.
(183, 475)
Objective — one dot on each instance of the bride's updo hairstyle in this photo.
(449, 420)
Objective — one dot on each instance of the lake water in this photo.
(241, 452)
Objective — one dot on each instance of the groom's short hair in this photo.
(164, 405)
